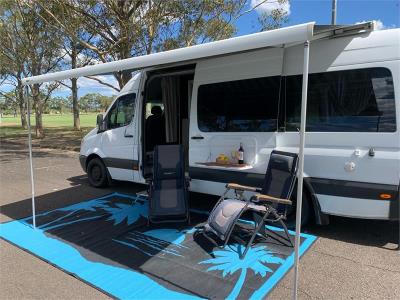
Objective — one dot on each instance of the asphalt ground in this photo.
(352, 259)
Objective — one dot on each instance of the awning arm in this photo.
(30, 155)
(300, 171)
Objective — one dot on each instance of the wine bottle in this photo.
(241, 155)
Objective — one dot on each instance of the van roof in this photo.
(283, 37)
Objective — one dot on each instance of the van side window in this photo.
(343, 101)
(122, 111)
(237, 106)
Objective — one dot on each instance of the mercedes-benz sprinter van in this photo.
(211, 106)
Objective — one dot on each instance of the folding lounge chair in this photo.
(168, 196)
(266, 205)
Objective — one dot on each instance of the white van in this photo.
(352, 154)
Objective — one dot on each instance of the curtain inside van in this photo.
(170, 97)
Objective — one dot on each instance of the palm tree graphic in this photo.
(91, 205)
(151, 242)
(228, 261)
(129, 212)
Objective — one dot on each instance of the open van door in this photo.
(235, 101)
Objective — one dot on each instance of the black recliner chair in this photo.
(268, 205)
(168, 193)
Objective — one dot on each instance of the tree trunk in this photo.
(75, 106)
(74, 88)
(38, 111)
(22, 111)
(21, 104)
(239, 285)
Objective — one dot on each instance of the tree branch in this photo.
(103, 82)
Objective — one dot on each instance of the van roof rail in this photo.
(333, 31)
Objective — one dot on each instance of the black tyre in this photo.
(97, 173)
(305, 211)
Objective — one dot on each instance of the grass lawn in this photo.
(59, 132)
(65, 120)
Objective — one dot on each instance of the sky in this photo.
(385, 12)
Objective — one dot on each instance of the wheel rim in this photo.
(96, 173)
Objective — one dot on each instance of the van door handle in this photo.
(197, 137)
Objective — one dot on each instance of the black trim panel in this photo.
(352, 189)
(121, 163)
(333, 187)
(223, 176)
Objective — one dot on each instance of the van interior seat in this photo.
(155, 128)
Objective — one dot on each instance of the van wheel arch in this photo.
(317, 215)
(311, 210)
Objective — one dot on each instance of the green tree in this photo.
(105, 102)
(40, 49)
(12, 60)
(123, 29)
(95, 102)
(276, 16)
(9, 103)
(75, 53)
(58, 104)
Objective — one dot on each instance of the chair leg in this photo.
(286, 232)
(210, 239)
(262, 222)
(257, 219)
(284, 228)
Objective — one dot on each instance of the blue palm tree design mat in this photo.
(106, 243)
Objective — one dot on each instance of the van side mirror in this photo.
(99, 121)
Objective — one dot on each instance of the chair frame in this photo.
(259, 225)
(159, 220)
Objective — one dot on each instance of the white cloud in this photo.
(87, 85)
(84, 82)
(270, 5)
(379, 24)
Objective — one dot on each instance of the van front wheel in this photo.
(97, 173)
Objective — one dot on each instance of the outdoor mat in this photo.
(106, 242)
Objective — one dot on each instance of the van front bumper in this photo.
(82, 160)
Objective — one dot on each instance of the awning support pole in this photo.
(301, 166)
(30, 156)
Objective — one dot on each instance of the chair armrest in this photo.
(236, 186)
(262, 197)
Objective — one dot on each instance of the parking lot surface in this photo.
(352, 259)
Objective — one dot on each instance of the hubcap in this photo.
(96, 173)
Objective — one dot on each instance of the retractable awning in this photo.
(287, 36)
(284, 37)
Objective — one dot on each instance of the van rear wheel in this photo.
(97, 173)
